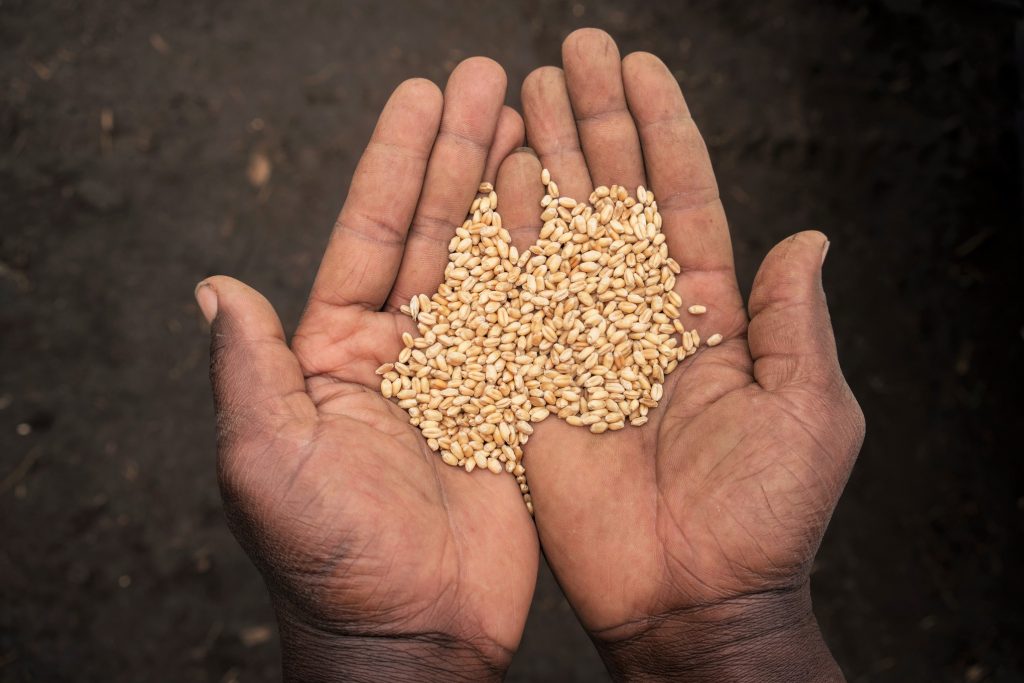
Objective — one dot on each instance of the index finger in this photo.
(679, 170)
(365, 249)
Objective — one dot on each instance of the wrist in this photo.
(770, 636)
(314, 654)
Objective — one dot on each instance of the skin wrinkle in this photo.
(428, 227)
(808, 466)
(808, 429)
(754, 539)
(724, 460)
(340, 300)
(755, 474)
(352, 639)
(229, 416)
(479, 144)
(303, 460)
(325, 571)
(768, 503)
(408, 152)
(234, 423)
(597, 117)
(670, 551)
(377, 227)
(791, 378)
(339, 372)
(543, 85)
(715, 536)
(669, 120)
(781, 306)
(561, 149)
(678, 202)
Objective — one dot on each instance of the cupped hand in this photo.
(684, 542)
(377, 556)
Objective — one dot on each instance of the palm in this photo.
(369, 505)
(706, 503)
(357, 526)
(719, 495)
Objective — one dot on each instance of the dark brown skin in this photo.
(684, 546)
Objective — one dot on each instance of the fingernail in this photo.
(206, 297)
(824, 252)
(528, 150)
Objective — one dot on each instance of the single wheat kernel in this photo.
(697, 309)
(714, 340)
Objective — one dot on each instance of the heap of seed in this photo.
(583, 325)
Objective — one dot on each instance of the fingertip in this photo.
(511, 124)
(234, 304)
(805, 246)
(643, 69)
(539, 81)
(520, 190)
(412, 114)
(641, 60)
(508, 135)
(419, 91)
(483, 71)
(651, 89)
(816, 240)
(790, 270)
(520, 160)
(587, 43)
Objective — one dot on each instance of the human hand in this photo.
(685, 545)
(381, 561)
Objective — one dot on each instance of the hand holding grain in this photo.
(685, 545)
(381, 561)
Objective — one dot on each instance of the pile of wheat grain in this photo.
(584, 325)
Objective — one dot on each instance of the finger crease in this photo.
(687, 201)
(598, 116)
(676, 118)
(463, 139)
(429, 228)
(562, 148)
(402, 150)
(377, 231)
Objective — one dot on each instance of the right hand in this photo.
(381, 561)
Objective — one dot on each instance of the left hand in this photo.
(687, 542)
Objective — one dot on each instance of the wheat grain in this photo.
(583, 324)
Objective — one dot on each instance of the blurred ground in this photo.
(132, 136)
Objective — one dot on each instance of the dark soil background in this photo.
(128, 133)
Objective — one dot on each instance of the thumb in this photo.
(790, 333)
(256, 378)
